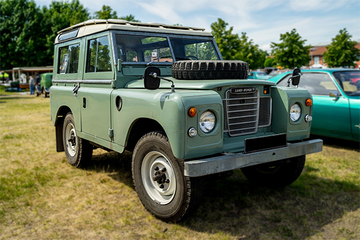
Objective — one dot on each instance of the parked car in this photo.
(336, 111)
(258, 75)
(45, 83)
(355, 79)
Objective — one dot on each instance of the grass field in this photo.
(43, 197)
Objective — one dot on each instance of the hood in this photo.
(201, 84)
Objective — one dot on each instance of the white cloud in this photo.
(318, 5)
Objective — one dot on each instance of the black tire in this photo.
(78, 151)
(178, 197)
(276, 174)
(210, 69)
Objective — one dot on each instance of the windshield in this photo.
(261, 74)
(193, 49)
(147, 48)
(349, 81)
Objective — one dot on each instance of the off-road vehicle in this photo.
(165, 94)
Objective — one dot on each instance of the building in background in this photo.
(317, 55)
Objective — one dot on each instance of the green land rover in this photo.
(165, 94)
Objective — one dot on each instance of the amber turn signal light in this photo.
(192, 112)
(308, 102)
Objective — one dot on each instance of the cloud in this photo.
(318, 5)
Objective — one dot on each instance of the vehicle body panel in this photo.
(337, 117)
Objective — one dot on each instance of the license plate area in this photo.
(263, 143)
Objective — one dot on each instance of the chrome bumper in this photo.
(231, 161)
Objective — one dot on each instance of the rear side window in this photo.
(98, 57)
(69, 59)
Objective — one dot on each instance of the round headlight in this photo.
(207, 121)
(295, 112)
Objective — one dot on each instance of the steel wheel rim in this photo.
(161, 194)
(71, 139)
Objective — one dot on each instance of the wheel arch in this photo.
(139, 128)
(59, 122)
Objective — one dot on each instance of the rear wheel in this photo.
(78, 151)
(159, 179)
(276, 174)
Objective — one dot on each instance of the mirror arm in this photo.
(154, 75)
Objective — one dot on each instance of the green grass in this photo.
(43, 197)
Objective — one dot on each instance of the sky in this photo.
(317, 21)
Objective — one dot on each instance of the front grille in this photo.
(244, 112)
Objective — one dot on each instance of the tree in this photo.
(269, 62)
(342, 51)
(228, 42)
(291, 52)
(21, 34)
(233, 47)
(251, 53)
(58, 16)
(106, 13)
(130, 18)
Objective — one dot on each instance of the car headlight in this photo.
(207, 121)
(295, 112)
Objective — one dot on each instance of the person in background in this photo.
(32, 85)
(37, 83)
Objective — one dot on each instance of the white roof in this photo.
(98, 25)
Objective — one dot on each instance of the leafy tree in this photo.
(251, 53)
(270, 62)
(291, 52)
(342, 51)
(228, 42)
(130, 18)
(106, 12)
(58, 16)
(21, 34)
(233, 47)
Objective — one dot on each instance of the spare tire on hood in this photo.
(210, 69)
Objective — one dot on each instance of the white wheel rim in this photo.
(163, 192)
(70, 139)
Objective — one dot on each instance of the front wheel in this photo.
(78, 151)
(159, 179)
(276, 174)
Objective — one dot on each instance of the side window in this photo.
(98, 57)
(68, 59)
(315, 83)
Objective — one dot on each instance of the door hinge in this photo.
(111, 133)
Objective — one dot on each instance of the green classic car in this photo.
(165, 93)
(336, 111)
(45, 83)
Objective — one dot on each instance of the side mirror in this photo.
(295, 78)
(334, 94)
(151, 78)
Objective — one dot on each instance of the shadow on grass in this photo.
(235, 207)
(339, 143)
(117, 166)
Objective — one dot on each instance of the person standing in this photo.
(32, 85)
(37, 83)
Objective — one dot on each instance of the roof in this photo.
(98, 25)
(33, 69)
(318, 50)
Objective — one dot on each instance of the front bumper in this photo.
(231, 161)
